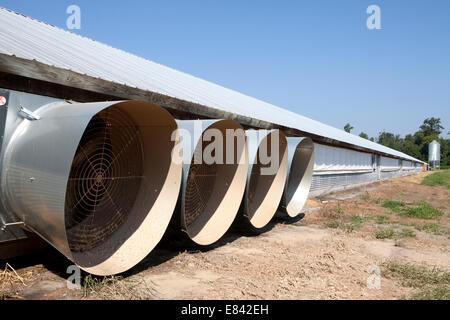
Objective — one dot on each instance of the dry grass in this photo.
(430, 283)
(116, 288)
(10, 279)
(292, 261)
(331, 211)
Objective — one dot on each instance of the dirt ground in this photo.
(332, 252)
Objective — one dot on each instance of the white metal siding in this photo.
(390, 164)
(329, 159)
(327, 183)
(408, 165)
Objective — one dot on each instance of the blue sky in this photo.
(314, 57)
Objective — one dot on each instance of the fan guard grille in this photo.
(199, 189)
(105, 177)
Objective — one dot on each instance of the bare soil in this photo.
(301, 258)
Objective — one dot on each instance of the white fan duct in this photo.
(299, 177)
(266, 179)
(215, 165)
(95, 180)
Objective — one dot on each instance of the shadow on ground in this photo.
(172, 244)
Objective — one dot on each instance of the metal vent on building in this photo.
(199, 189)
(106, 175)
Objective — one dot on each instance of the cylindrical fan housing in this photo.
(299, 177)
(266, 178)
(215, 163)
(95, 180)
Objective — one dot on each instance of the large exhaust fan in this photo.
(215, 163)
(95, 180)
(268, 156)
(299, 178)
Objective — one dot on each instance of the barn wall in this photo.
(339, 169)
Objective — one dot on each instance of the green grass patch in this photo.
(377, 201)
(382, 220)
(428, 227)
(94, 284)
(433, 284)
(406, 233)
(416, 276)
(332, 224)
(390, 233)
(441, 179)
(348, 227)
(358, 220)
(441, 292)
(421, 210)
(365, 196)
(393, 205)
(353, 223)
(385, 234)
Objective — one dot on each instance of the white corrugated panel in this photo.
(390, 164)
(330, 182)
(34, 40)
(331, 160)
(408, 165)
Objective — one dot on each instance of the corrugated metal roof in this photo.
(31, 39)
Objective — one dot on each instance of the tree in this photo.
(408, 146)
(432, 127)
(364, 135)
(418, 137)
(415, 145)
(390, 140)
(348, 128)
(445, 151)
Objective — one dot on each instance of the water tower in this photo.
(434, 154)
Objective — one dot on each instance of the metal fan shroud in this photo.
(105, 177)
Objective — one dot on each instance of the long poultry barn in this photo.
(87, 152)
